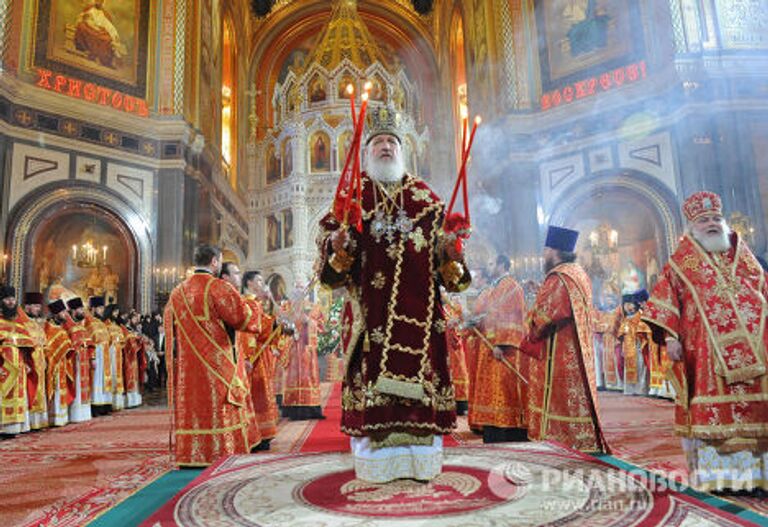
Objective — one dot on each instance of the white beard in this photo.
(387, 170)
(715, 243)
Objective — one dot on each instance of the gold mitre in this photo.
(384, 120)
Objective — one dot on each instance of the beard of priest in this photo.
(708, 306)
(397, 398)
(9, 303)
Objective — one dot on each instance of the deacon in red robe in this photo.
(709, 305)
(455, 335)
(15, 344)
(562, 391)
(208, 388)
(501, 397)
(60, 375)
(116, 345)
(301, 395)
(36, 390)
(255, 349)
(397, 395)
(80, 409)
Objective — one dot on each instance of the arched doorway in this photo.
(56, 254)
(628, 227)
(48, 229)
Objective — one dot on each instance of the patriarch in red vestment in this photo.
(397, 394)
(709, 306)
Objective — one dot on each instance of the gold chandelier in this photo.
(87, 255)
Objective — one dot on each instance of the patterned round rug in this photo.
(526, 484)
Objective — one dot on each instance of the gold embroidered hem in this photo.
(381, 465)
(401, 439)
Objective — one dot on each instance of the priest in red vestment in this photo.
(500, 397)
(397, 395)
(260, 356)
(34, 323)
(60, 368)
(16, 346)
(709, 305)
(562, 391)
(455, 336)
(208, 388)
(80, 409)
(301, 394)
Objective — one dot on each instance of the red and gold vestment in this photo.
(117, 341)
(60, 359)
(100, 336)
(81, 341)
(302, 380)
(36, 389)
(457, 359)
(715, 305)
(207, 381)
(257, 350)
(562, 389)
(500, 398)
(397, 378)
(15, 343)
(473, 347)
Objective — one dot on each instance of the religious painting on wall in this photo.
(287, 228)
(101, 41)
(346, 80)
(287, 158)
(578, 36)
(345, 141)
(273, 165)
(274, 233)
(320, 148)
(317, 91)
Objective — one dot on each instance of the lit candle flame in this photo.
(364, 96)
(350, 89)
(368, 86)
(478, 119)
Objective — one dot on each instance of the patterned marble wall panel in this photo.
(651, 155)
(134, 184)
(88, 169)
(559, 174)
(33, 167)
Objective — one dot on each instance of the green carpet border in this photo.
(142, 504)
(709, 499)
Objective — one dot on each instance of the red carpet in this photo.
(68, 476)
(326, 435)
(539, 483)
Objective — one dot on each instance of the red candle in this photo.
(351, 93)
